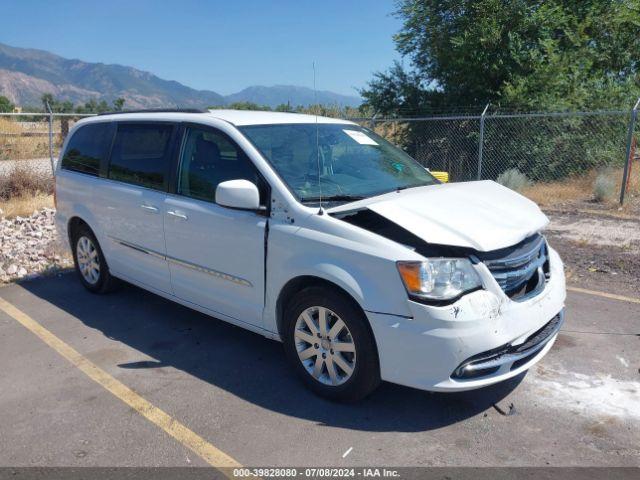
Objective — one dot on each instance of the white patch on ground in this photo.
(602, 231)
(586, 394)
(622, 361)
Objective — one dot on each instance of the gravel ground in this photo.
(38, 165)
(600, 252)
(29, 246)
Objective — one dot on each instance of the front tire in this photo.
(329, 343)
(90, 263)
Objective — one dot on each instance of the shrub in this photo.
(22, 181)
(604, 186)
(514, 179)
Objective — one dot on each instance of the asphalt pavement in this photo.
(233, 390)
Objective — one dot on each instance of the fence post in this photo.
(373, 121)
(627, 164)
(53, 168)
(481, 141)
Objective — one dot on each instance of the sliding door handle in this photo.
(177, 214)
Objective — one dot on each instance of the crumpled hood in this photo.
(481, 215)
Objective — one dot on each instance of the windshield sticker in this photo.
(360, 137)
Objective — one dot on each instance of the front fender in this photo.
(372, 281)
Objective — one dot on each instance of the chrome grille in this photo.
(522, 271)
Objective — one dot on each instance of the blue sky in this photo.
(217, 45)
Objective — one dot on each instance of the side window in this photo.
(141, 154)
(87, 148)
(208, 158)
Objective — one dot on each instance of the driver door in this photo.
(215, 253)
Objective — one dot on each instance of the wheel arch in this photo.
(80, 214)
(73, 224)
(302, 282)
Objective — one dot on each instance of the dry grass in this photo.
(18, 143)
(581, 189)
(24, 190)
(395, 132)
(9, 126)
(25, 205)
(24, 181)
(564, 191)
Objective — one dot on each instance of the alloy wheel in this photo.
(88, 260)
(325, 346)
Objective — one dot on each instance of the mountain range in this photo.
(27, 74)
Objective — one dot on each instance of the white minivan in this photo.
(319, 233)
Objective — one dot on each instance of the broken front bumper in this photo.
(509, 357)
(458, 347)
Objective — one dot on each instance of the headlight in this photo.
(439, 278)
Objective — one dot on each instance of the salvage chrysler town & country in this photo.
(318, 233)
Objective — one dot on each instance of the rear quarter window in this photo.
(88, 146)
(140, 154)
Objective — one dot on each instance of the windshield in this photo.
(353, 161)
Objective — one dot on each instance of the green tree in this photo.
(93, 106)
(247, 106)
(556, 54)
(6, 105)
(57, 106)
(519, 55)
(118, 104)
(284, 107)
(47, 101)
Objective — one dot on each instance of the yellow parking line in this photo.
(612, 296)
(210, 454)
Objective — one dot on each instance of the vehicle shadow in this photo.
(248, 365)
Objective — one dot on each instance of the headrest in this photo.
(206, 151)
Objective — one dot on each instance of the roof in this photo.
(235, 117)
(253, 117)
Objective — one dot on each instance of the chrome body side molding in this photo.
(177, 261)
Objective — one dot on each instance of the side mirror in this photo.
(240, 194)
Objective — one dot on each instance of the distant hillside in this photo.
(80, 81)
(279, 94)
(27, 74)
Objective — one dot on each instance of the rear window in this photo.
(87, 147)
(140, 154)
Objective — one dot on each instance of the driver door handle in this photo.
(149, 208)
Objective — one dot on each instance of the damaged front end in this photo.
(483, 336)
(521, 270)
(509, 357)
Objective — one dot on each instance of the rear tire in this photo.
(90, 263)
(328, 342)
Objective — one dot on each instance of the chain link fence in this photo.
(557, 159)
(33, 137)
(29, 145)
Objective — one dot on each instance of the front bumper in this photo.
(509, 357)
(430, 350)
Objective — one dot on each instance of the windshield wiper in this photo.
(333, 198)
(405, 187)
